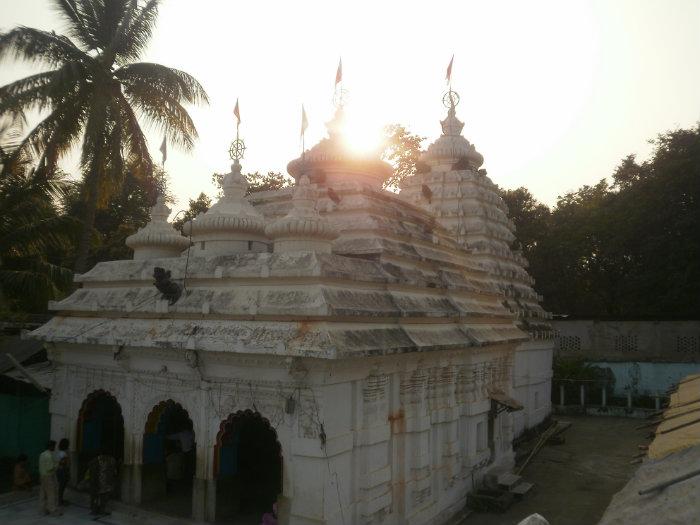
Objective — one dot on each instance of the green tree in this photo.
(625, 249)
(127, 210)
(94, 93)
(402, 150)
(272, 180)
(529, 216)
(199, 205)
(31, 227)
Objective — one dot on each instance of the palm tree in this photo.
(30, 227)
(95, 93)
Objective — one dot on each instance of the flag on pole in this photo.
(237, 113)
(339, 73)
(304, 121)
(164, 150)
(448, 76)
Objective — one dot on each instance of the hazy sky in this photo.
(554, 94)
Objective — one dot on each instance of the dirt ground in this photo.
(575, 481)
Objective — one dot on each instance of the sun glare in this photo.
(360, 137)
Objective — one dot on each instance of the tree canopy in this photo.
(95, 94)
(33, 231)
(402, 150)
(628, 248)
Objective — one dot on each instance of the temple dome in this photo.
(232, 225)
(331, 162)
(451, 146)
(158, 238)
(302, 229)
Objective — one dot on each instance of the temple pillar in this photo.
(204, 484)
(132, 467)
(73, 452)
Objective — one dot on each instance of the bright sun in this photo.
(361, 137)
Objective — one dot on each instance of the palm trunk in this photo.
(88, 223)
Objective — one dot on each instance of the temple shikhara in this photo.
(350, 354)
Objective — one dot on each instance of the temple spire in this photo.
(232, 224)
(158, 238)
(303, 228)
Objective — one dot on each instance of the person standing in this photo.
(103, 476)
(187, 446)
(62, 469)
(21, 480)
(48, 488)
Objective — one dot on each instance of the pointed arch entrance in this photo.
(169, 456)
(247, 467)
(100, 428)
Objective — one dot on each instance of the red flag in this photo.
(339, 73)
(237, 112)
(448, 76)
(304, 121)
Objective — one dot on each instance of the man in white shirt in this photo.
(48, 487)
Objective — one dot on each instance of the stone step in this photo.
(508, 480)
(521, 488)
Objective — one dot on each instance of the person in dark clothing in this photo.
(21, 479)
(62, 469)
(102, 470)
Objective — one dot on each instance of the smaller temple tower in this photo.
(302, 229)
(451, 185)
(158, 238)
(231, 225)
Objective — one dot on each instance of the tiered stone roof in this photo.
(355, 270)
(465, 201)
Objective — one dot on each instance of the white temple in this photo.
(354, 355)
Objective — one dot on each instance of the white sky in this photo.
(554, 94)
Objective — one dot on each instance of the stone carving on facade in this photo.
(413, 388)
(308, 422)
(375, 406)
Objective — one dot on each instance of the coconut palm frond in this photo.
(167, 116)
(146, 77)
(135, 31)
(35, 45)
(37, 237)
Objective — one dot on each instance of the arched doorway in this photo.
(169, 455)
(100, 428)
(248, 468)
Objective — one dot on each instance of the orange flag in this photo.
(237, 112)
(304, 121)
(339, 73)
(448, 76)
